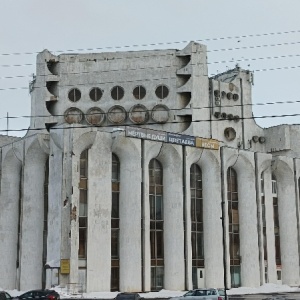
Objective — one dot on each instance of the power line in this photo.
(149, 123)
(162, 43)
(170, 109)
(145, 80)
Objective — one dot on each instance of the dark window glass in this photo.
(162, 91)
(156, 224)
(197, 221)
(83, 205)
(95, 94)
(115, 221)
(74, 95)
(276, 222)
(117, 93)
(234, 237)
(139, 92)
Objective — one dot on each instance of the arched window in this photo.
(45, 229)
(83, 205)
(276, 221)
(115, 221)
(234, 235)
(196, 221)
(156, 224)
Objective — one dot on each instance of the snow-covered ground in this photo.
(267, 288)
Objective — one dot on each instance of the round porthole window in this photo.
(117, 92)
(117, 114)
(138, 114)
(95, 94)
(162, 91)
(160, 114)
(74, 95)
(229, 134)
(95, 116)
(139, 92)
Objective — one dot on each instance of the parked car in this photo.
(5, 296)
(203, 294)
(39, 295)
(128, 296)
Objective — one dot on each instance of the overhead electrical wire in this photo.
(170, 109)
(163, 43)
(149, 123)
(156, 67)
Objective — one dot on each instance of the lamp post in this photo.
(224, 247)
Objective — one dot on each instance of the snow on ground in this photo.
(266, 288)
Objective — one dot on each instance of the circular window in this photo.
(235, 97)
(117, 93)
(229, 96)
(229, 134)
(95, 116)
(117, 114)
(138, 114)
(139, 92)
(74, 95)
(162, 91)
(160, 114)
(73, 115)
(95, 94)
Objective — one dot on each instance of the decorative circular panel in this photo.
(138, 114)
(160, 113)
(95, 116)
(117, 114)
(73, 115)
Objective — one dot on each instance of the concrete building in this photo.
(130, 162)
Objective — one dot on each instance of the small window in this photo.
(74, 95)
(162, 91)
(95, 94)
(117, 93)
(139, 92)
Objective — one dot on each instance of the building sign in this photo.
(207, 143)
(64, 266)
(181, 139)
(173, 138)
(146, 134)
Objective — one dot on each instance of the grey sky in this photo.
(33, 25)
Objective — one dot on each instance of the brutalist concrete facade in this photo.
(73, 110)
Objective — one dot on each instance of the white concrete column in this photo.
(99, 214)
(248, 221)
(212, 212)
(33, 219)
(129, 152)
(174, 273)
(55, 204)
(283, 170)
(9, 218)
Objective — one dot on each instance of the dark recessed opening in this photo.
(117, 93)
(139, 92)
(74, 95)
(162, 91)
(95, 94)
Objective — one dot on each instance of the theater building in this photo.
(133, 165)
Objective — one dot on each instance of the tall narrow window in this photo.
(83, 205)
(45, 229)
(196, 221)
(115, 221)
(156, 224)
(264, 237)
(276, 221)
(234, 235)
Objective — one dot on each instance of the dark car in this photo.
(5, 296)
(128, 296)
(39, 295)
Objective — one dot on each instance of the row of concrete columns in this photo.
(27, 176)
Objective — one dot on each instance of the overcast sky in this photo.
(33, 25)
